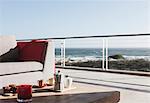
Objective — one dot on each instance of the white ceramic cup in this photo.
(68, 82)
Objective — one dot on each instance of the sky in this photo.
(62, 18)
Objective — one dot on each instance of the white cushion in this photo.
(7, 42)
(23, 78)
(18, 67)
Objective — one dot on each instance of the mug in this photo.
(68, 82)
(41, 83)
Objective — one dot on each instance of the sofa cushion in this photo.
(19, 67)
(11, 56)
(22, 44)
(33, 51)
(7, 42)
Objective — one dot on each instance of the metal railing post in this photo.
(106, 56)
(61, 53)
(103, 55)
(64, 53)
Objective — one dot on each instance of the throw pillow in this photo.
(33, 51)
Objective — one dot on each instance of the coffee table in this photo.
(81, 94)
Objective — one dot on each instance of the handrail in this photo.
(97, 36)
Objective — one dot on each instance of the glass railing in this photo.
(120, 52)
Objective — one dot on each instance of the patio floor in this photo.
(133, 89)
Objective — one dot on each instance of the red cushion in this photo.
(33, 51)
(20, 45)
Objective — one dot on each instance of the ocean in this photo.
(84, 54)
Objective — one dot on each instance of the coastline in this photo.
(130, 65)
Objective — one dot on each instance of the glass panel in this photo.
(129, 53)
(82, 52)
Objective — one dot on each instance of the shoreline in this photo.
(123, 64)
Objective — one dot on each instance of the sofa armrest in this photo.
(49, 63)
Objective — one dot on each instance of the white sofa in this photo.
(25, 72)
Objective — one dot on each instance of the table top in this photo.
(81, 94)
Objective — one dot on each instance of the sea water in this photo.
(84, 54)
